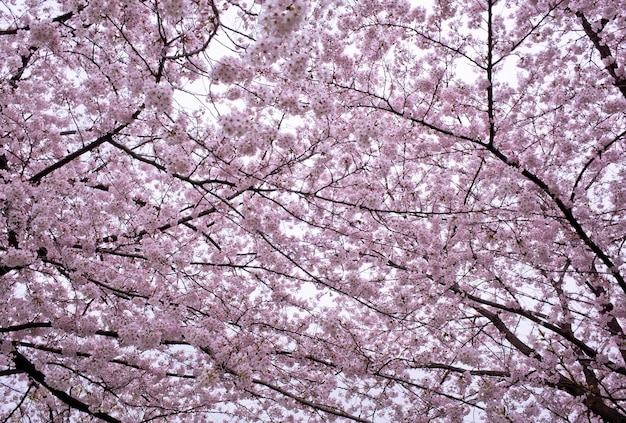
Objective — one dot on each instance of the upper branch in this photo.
(489, 69)
(605, 52)
(89, 147)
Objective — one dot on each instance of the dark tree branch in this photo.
(24, 365)
(89, 147)
(604, 50)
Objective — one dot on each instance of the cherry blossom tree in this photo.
(295, 210)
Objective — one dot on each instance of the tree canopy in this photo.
(293, 210)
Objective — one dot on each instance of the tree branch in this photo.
(24, 365)
(89, 147)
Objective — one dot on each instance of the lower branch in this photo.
(24, 365)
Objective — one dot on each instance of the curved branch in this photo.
(591, 160)
(24, 365)
(566, 210)
(593, 400)
(313, 405)
(604, 50)
(89, 147)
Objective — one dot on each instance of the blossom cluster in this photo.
(235, 124)
(229, 70)
(178, 160)
(159, 97)
(13, 258)
(278, 19)
(281, 17)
